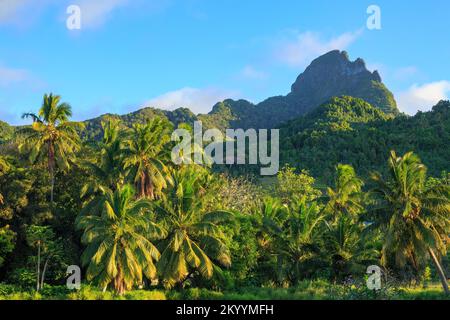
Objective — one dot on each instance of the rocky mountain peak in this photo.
(333, 68)
(334, 74)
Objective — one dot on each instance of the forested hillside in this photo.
(6, 131)
(349, 130)
(93, 129)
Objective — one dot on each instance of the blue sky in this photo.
(193, 53)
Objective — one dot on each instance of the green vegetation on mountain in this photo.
(6, 132)
(349, 130)
(93, 127)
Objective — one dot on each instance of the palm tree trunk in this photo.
(51, 168)
(142, 193)
(441, 273)
(44, 270)
(38, 268)
(151, 191)
(119, 282)
(52, 178)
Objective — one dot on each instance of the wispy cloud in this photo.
(198, 100)
(19, 79)
(10, 76)
(405, 73)
(95, 13)
(398, 74)
(423, 97)
(299, 49)
(251, 73)
(10, 9)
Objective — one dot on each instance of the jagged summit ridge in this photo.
(330, 75)
(333, 66)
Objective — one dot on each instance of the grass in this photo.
(313, 290)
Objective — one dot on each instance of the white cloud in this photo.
(423, 97)
(249, 72)
(198, 100)
(95, 13)
(307, 46)
(9, 76)
(9, 8)
(405, 73)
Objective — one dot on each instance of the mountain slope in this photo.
(349, 130)
(330, 75)
(93, 129)
(6, 131)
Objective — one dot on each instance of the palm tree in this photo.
(269, 220)
(146, 156)
(52, 136)
(415, 218)
(345, 198)
(108, 171)
(195, 239)
(299, 248)
(349, 251)
(118, 247)
(4, 167)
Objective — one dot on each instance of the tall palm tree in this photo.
(195, 240)
(345, 198)
(4, 167)
(146, 156)
(106, 171)
(52, 137)
(118, 247)
(415, 219)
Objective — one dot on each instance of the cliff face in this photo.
(333, 74)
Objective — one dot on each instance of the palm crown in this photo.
(195, 238)
(118, 247)
(345, 198)
(414, 217)
(146, 157)
(52, 138)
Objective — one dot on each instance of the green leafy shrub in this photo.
(90, 293)
(145, 295)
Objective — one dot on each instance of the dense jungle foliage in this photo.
(111, 201)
